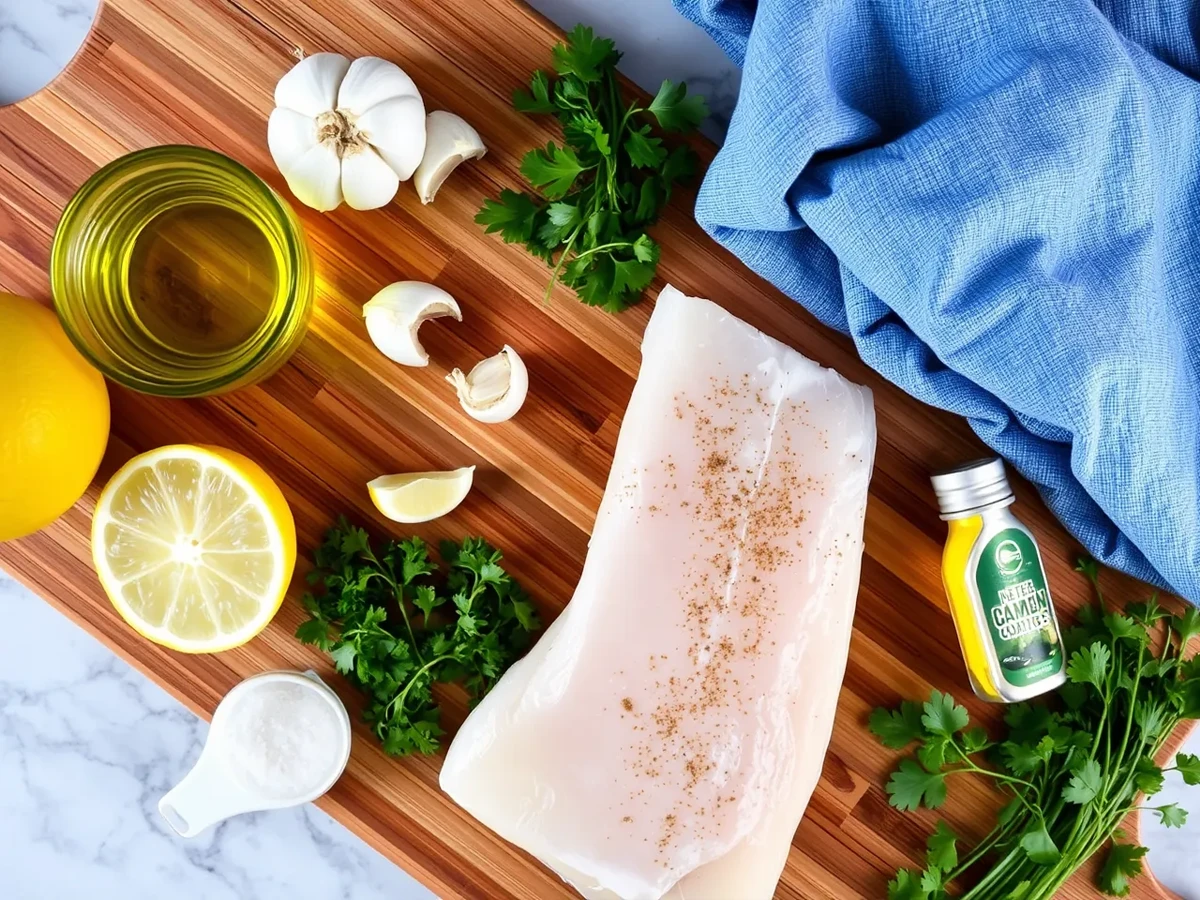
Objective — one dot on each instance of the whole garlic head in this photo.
(449, 140)
(495, 388)
(395, 314)
(345, 130)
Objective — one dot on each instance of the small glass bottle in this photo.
(994, 580)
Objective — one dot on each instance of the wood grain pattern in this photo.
(202, 72)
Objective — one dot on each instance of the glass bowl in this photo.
(177, 271)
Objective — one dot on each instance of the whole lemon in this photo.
(53, 418)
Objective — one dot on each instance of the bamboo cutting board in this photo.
(203, 72)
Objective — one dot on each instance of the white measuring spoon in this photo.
(213, 790)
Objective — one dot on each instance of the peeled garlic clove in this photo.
(495, 389)
(449, 140)
(395, 314)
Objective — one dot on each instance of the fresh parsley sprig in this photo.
(1072, 772)
(605, 184)
(395, 630)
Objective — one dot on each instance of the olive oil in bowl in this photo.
(178, 272)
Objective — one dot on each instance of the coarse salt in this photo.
(283, 740)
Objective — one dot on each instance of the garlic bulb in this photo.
(345, 130)
(495, 389)
(449, 140)
(395, 314)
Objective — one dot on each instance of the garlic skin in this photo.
(346, 131)
(394, 315)
(495, 388)
(449, 141)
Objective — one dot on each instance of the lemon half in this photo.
(195, 547)
(420, 496)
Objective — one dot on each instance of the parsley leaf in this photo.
(943, 716)
(1172, 815)
(1147, 777)
(537, 98)
(553, 169)
(941, 845)
(561, 219)
(897, 728)
(1021, 759)
(315, 632)
(1084, 784)
(584, 55)
(1147, 613)
(1039, 846)
(1089, 665)
(675, 109)
(1188, 765)
(1125, 628)
(645, 151)
(910, 786)
(974, 740)
(906, 886)
(1188, 626)
(1124, 861)
(513, 215)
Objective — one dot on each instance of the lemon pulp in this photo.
(195, 547)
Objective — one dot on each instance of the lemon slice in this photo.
(420, 496)
(195, 547)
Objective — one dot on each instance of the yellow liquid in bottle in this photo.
(202, 279)
(963, 533)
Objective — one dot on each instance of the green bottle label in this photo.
(1016, 603)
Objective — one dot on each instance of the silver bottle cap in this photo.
(971, 486)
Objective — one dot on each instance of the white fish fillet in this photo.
(664, 736)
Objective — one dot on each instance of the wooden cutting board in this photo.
(202, 72)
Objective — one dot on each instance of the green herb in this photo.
(395, 630)
(605, 184)
(1073, 772)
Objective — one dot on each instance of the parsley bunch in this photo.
(605, 184)
(395, 631)
(1073, 773)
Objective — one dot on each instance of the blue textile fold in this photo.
(1000, 202)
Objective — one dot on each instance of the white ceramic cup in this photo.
(209, 793)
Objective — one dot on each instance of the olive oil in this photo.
(177, 271)
(996, 586)
(201, 280)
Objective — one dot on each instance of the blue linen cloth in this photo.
(1000, 202)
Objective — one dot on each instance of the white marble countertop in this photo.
(88, 745)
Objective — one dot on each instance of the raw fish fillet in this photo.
(664, 736)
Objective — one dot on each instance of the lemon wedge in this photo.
(195, 547)
(420, 496)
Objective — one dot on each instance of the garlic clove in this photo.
(495, 388)
(371, 80)
(394, 315)
(367, 181)
(396, 129)
(311, 86)
(449, 140)
(289, 136)
(316, 178)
